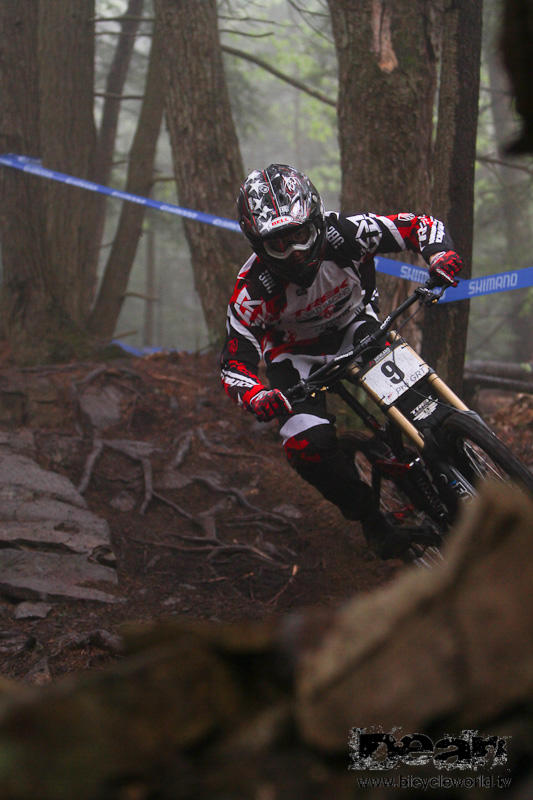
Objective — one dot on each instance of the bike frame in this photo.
(343, 366)
(419, 423)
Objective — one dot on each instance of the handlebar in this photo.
(333, 371)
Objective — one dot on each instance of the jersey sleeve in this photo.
(242, 350)
(372, 234)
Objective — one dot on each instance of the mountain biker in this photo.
(305, 294)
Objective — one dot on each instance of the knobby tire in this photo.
(478, 453)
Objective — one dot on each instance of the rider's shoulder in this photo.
(345, 232)
(339, 221)
(260, 281)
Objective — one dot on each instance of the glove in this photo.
(444, 267)
(269, 404)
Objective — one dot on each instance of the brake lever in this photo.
(430, 295)
(298, 392)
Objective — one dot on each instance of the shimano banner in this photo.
(468, 288)
(474, 287)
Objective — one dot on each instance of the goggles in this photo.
(291, 241)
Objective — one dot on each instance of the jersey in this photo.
(269, 318)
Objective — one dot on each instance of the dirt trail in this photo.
(206, 518)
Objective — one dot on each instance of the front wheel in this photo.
(404, 492)
(475, 454)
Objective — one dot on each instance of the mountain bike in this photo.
(430, 453)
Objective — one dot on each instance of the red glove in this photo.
(267, 404)
(444, 267)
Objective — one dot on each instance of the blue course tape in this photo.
(468, 288)
(33, 165)
(475, 287)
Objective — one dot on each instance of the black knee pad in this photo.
(311, 446)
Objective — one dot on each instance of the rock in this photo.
(27, 396)
(98, 638)
(59, 449)
(20, 472)
(102, 406)
(42, 405)
(20, 442)
(12, 407)
(50, 543)
(171, 601)
(13, 643)
(201, 710)
(39, 674)
(34, 575)
(65, 536)
(123, 501)
(28, 610)
(24, 509)
(82, 741)
(103, 555)
(171, 479)
(288, 510)
(454, 643)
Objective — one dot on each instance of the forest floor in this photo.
(207, 520)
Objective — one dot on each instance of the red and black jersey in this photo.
(269, 317)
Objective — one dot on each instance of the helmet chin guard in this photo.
(282, 216)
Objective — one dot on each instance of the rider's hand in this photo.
(267, 404)
(444, 267)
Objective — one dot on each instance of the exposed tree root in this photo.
(226, 451)
(209, 541)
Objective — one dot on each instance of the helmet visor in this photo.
(293, 240)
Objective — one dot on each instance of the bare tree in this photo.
(207, 161)
(68, 137)
(387, 62)
(21, 210)
(51, 232)
(388, 58)
(114, 282)
(107, 133)
(444, 342)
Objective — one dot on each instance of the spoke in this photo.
(480, 462)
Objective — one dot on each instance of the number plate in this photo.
(395, 373)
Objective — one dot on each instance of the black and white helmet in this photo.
(282, 216)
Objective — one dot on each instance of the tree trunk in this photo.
(149, 289)
(21, 220)
(68, 136)
(105, 145)
(387, 64)
(514, 187)
(116, 275)
(49, 246)
(205, 149)
(387, 79)
(444, 343)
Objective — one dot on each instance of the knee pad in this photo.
(311, 446)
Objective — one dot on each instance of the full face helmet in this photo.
(282, 216)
